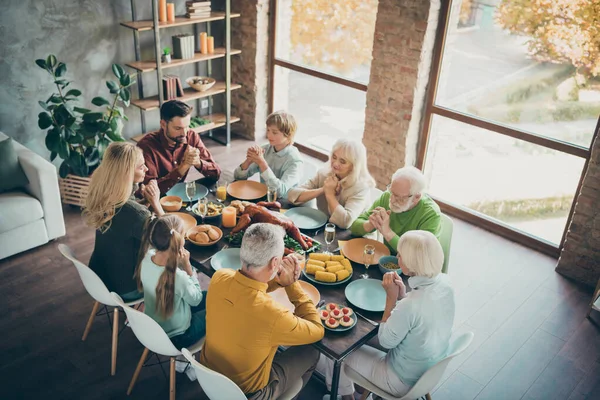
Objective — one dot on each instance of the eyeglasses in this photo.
(388, 189)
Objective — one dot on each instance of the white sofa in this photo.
(33, 215)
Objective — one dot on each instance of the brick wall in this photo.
(580, 257)
(404, 39)
(250, 33)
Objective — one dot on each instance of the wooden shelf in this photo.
(189, 94)
(218, 120)
(147, 25)
(147, 66)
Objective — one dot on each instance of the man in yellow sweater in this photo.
(245, 326)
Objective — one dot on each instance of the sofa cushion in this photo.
(17, 208)
(11, 173)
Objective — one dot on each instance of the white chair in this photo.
(446, 240)
(217, 386)
(426, 383)
(96, 288)
(154, 339)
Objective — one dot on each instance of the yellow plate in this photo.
(353, 250)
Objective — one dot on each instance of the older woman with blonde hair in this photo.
(416, 326)
(342, 188)
(118, 218)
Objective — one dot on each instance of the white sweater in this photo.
(418, 330)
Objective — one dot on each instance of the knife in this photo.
(367, 319)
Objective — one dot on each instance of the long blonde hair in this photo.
(163, 234)
(355, 153)
(111, 184)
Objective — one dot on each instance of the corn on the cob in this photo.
(325, 276)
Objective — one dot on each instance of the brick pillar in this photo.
(402, 52)
(250, 33)
(580, 257)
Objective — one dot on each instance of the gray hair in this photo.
(414, 176)
(422, 253)
(260, 243)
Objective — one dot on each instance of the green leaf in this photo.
(92, 156)
(60, 70)
(118, 70)
(125, 95)
(64, 169)
(114, 136)
(103, 126)
(63, 149)
(93, 116)
(114, 125)
(77, 139)
(74, 92)
(51, 61)
(100, 101)
(61, 115)
(44, 120)
(52, 139)
(112, 86)
(41, 63)
(81, 110)
(125, 80)
(56, 99)
(53, 155)
(91, 141)
(62, 82)
(102, 145)
(44, 105)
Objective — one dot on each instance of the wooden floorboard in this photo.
(531, 337)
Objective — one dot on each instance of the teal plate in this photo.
(179, 190)
(367, 294)
(228, 258)
(307, 218)
(340, 328)
(312, 279)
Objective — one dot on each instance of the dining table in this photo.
(334, 345)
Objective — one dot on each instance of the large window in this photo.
(321, 59)
(512, 113)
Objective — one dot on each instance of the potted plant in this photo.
(79, 136)
(166, 56)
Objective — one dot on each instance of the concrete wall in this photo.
(84, 34)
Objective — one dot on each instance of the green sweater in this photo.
(425, 216)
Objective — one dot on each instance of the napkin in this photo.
(341, 244)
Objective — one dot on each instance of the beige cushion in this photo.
(17, 209)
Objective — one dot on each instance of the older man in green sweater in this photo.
(402, 207)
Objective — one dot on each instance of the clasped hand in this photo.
(394, 286)
(255, 154)
(332, 185)
(380, 219)
(151, 192)
(191, 156)
(289, 271)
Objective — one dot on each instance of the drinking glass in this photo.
(203, 207)
(329, 236)
(190, 192)
(368, 259)
(221, 190)
(271, 194)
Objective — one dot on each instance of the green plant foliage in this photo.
(78, 135)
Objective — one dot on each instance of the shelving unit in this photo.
(147, 103)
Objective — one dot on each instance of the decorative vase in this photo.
(166, 58)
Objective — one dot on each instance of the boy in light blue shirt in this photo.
(278, 162)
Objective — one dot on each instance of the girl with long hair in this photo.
(172, 293)
(118, 218)
(342, 188)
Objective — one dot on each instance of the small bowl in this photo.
(201, 87)
(196, 229)
(387, 259)
(215, 217)
(171, 203)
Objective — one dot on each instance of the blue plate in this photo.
(228, 258)
(179, 190)
(367, 294)
(307, 218)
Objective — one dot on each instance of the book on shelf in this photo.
(192, 16)
(194, 4)
(194, 11)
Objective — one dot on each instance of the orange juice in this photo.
(221, 193)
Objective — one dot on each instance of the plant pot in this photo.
(166, 58)
(74, 189)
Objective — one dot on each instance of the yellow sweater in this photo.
(245, 326)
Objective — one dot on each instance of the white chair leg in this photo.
(115, 338)
(172, 379)
(137, 371)
(88, 326)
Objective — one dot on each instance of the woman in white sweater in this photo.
(416, 326)
(342, 189)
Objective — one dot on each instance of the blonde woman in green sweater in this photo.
(401, 208)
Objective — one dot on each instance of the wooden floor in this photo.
(532, 340)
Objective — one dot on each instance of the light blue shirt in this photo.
(284, 172)
(187, 293)
(418, 330)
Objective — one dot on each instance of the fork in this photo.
(206, 260)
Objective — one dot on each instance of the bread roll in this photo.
(202, 237)
(202, 228)
(192, 236)
(213, 234)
